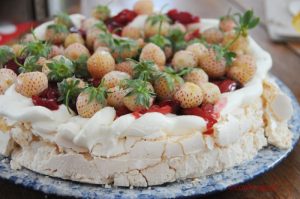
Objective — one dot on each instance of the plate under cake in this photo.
(143, 148)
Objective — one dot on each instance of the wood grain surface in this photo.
(282, 182)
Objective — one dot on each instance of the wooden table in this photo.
(284, 180)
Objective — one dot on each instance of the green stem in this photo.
(17, 62)
(229, 44)
(67, 101)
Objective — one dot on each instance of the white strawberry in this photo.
(196, 76)
(7, 78)
(211, 92)
(140, 96)
(55, 51)
(100, 63)
(87, 108)
(243, 69)
(227, 24)
(73, 38)
(240, 46)
(157, 24)
(198, 50)
(152, 52)
(132, 32)
(167, 84)
(91, 100)
(143, 7)
(213, 36)
(88, 23)
(215, 67)
(183, 59)
(75, 50)
(189, 95)
(115, 96)
(126, 66)
(114, 78)
(32, 83)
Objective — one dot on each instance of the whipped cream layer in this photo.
(81, 134)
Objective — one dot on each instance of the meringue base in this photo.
(149, 162)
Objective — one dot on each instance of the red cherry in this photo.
(50, 93)
(227, 85)
(182, 17)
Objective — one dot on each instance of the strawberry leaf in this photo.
(36, 48)
(6, 54)
(58, 28)
(30, 65)
(97, 93)
(69, 90)
(160, 41)
(63, 19)
(60, 69)
(141, 90)
(144, 70)
(80, 66)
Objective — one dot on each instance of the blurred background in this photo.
(281, 17)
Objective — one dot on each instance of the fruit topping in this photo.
(183, 17)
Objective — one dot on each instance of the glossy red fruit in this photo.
(136, 114)
(95, 82)
(192, 35)
(227, 85)
(48, 103)
(183, 17)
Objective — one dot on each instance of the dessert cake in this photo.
(141, 98)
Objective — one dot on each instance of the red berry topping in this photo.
(48, 103)
(227, 85)
(192, 35)
(122, 111)
(175, 106)
(124, 17)
(50, 94)
(160, 109)
(11, 64)
(120, 20)
(182, 17)
(136, 114)
(206, 112)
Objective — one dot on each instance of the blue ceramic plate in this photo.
(264, 161)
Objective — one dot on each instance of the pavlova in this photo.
(141, 98)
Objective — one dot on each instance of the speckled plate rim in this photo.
(265, 160)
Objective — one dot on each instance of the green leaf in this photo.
(63, 19)
(140, 89)
(60, 69)
(6, 54)
(80, 67)
(144, 70)
(97, 93)
(58, 28)
(118, 45)
(101, 26)
(160, 41)
(30, 65)
(69, 90)
(36, 48)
